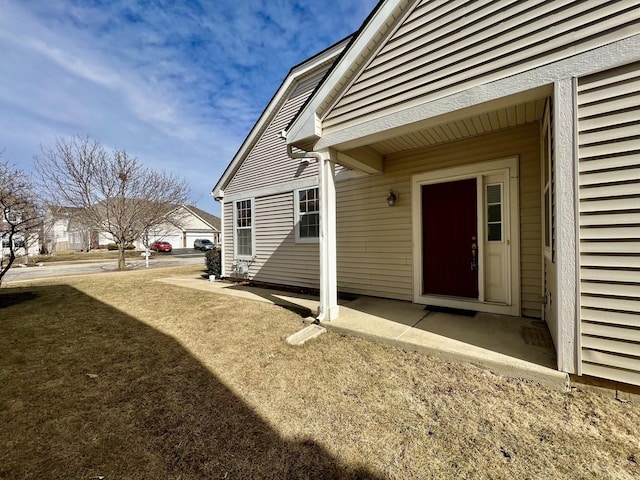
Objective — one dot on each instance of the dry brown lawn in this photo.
(117, 376)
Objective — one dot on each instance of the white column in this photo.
(329, 309)
(564, 124)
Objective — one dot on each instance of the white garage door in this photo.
(191, 237)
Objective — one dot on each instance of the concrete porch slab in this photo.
(509, 346)
(490, 341)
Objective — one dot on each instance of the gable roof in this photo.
(415, 61)
(299, 71)
(384, 18)
(206, 217)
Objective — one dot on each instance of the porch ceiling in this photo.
(491, 121)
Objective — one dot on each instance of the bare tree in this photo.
(111, 192)
(21, 219)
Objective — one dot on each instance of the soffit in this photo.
(487, 122)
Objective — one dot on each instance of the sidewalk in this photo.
(511, 346)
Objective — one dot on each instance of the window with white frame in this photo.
(243, 228)
(494, 212)
(307, 214)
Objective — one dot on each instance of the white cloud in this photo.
(179, 84)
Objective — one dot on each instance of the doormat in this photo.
(452, 311)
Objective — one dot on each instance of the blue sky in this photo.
(176, 84)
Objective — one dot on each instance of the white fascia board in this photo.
(426, 114)
(308, 124)
(274, 106)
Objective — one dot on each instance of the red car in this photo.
(161, 247)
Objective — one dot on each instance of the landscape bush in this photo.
(213, 259)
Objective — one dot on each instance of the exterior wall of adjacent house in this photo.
(443, 48)
(608, 105)
(32, 246)
(58, 236)
(62, 233)
(375, 253)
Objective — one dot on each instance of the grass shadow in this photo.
(90, 391)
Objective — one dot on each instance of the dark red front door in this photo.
(449, 228)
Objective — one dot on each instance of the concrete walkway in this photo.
(510, 346)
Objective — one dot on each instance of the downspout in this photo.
(322, 314)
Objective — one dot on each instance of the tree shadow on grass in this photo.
(89, 391)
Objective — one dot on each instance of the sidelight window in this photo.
(494, 212)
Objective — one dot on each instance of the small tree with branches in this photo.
(21, 218)
(110, 192)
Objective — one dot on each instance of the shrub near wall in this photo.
(212, 260)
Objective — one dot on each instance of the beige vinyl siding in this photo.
(268, 163)
(445, 47)
(609, 195)
(375, 252)
(278, 258)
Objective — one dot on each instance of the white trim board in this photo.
(273, 190)
(341, 176)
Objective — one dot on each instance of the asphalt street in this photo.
(178, 257)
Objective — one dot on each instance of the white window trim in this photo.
(236, 256)
(296, 220)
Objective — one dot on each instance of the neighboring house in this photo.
(187, 223)
(25, 240)
(21, 245)
(505, 134)
(64, 231)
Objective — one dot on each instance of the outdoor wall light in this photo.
(392, 198)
